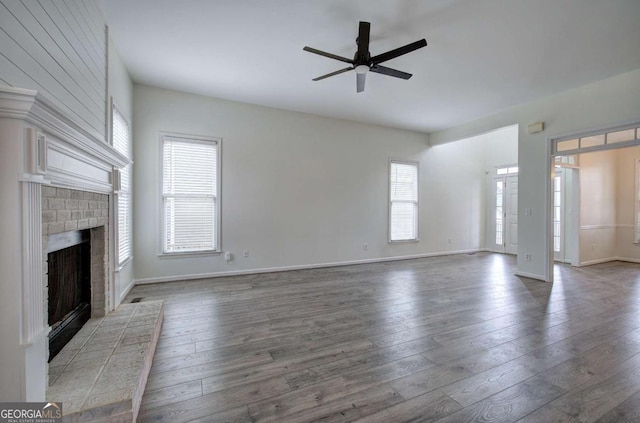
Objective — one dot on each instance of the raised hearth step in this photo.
(100, 375)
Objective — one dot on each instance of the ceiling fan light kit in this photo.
(363, 62)
(360, 69)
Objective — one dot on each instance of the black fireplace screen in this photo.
(69, 282)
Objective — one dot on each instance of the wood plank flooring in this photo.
(446, 339)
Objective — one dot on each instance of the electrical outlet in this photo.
(227, 256)
(527, 257)
(365, 246)
(245, 253)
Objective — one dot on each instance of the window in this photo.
(190, 194)
(511, 170)
(120, 140)
(403, 199)
(571, 160)
(557, 211)
(628, 135)
(499, 211)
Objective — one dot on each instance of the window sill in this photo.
(189, 254)
(405, 241)
(124, 264)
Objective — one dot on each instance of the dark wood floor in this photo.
(447, 339)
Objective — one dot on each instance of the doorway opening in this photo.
(594, 193)
(566, 209)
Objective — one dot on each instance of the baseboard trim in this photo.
(597, 261)
(126, 292)
(611, 226)
(606, 260)
(145, 281)
(628, 260)
(531, 276)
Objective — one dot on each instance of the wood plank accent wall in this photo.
(58, 48)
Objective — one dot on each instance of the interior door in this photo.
(511, 213)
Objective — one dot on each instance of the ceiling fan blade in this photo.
(332, 74)
(363, 40)
(390, 72)
(329, 55)
(360, 78)
(392, 54)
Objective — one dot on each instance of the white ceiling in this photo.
(483, 55)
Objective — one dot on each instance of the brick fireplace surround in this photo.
(65, 210)
(56, 175)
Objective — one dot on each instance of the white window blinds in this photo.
(120, 135)
(403, 215)
(121, 142)
(190, 189)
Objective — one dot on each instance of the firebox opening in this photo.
(69, 280)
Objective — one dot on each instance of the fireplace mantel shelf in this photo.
(59, 150)
(33, 107)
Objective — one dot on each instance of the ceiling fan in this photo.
(363, 62)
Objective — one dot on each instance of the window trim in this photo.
(508, 170)
(218, 203)
(555, 151)
(417, 202)
(118, 190)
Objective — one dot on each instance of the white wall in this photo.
(501, 147)
(610, 101)
(299, 189)
(120, 84)
(453, 202)
(57, 48)
(598, 181)
(492, 149)
(607, 206)
(121, 93)
(626, 197)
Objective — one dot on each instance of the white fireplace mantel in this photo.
(59, 150)
(39, 145)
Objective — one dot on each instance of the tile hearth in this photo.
(100, 375)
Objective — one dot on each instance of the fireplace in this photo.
(75, 246)
(69, 286)
(59, 176)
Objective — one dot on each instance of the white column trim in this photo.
(33, 302)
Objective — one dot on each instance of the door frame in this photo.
(553, 151)
(495, 247)
(559, 255)
(510, 172)
(509, 212)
